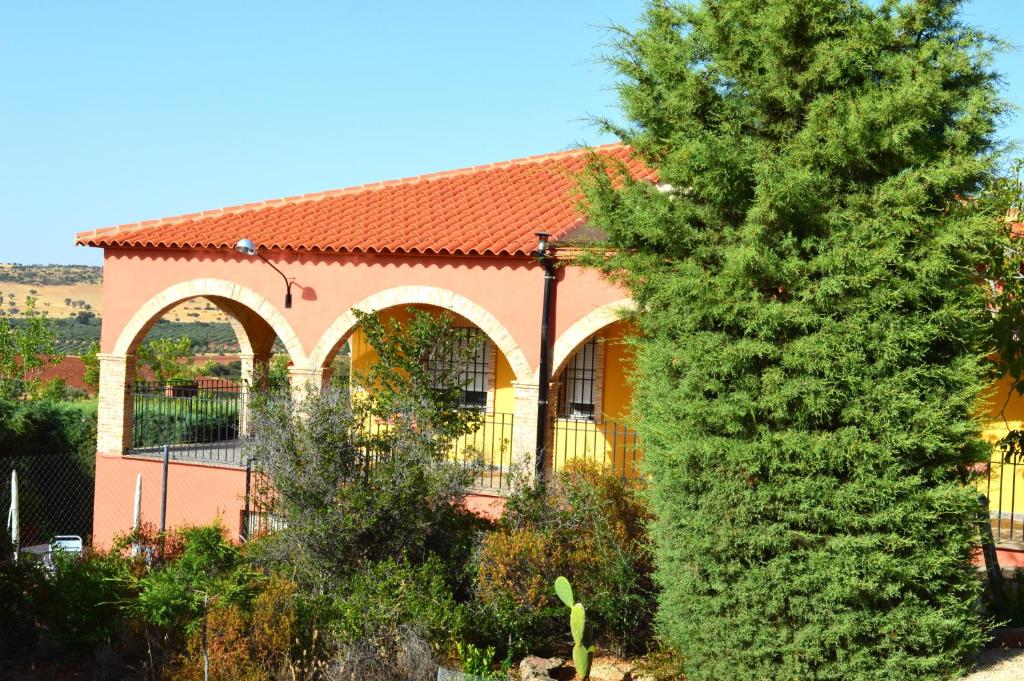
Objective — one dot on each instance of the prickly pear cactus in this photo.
(582, 650)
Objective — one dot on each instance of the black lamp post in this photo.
(247, 247)
(544, 258)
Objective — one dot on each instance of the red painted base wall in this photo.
(196, 495)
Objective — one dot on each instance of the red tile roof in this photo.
(484, 210)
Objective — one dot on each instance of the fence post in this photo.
(248, 492)
(163, 499)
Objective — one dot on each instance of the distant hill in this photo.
(71, 295)
(65, 291)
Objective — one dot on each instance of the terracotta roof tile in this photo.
(483, 210)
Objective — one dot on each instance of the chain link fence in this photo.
(44, 497)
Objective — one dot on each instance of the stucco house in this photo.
(462, 242)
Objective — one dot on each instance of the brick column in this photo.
(114, 415)
(302, 379)
(524, 431)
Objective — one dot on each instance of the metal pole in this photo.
(248, 491)
(137, 514)
(163, 499)
(545, 366)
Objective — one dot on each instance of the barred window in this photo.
(579, 381)
(472, 369)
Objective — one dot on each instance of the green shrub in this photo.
(22, 585)
(166, 420)
(812, 334)
(52, 445)
(352, 494)
(83, 603)
(395, 620)
(588, 525)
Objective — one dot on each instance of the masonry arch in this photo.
(343, 326)
(254, 319)
(583, 328)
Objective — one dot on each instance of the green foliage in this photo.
(170, 359)
(91, 360)
(478, 663)
(812, 334)
(209, 568)
(22, 585)
(394, 615)
(53, 447)
(184, 419)
(25, 349)
(366, 478)
(82, 606)
(587, 524)
(75, 606)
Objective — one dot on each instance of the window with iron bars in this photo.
(471, 367)
(577, 394)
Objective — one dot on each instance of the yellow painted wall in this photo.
(363, 357)
(492, 441)
(1004, 485)
(607, 440)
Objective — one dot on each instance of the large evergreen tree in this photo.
(812, 335)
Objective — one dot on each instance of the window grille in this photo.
(579, 383)
(473, 366)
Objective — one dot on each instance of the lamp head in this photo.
(246, 247)
(542, 243)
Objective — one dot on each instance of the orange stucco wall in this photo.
(328, 285)
(196, 494)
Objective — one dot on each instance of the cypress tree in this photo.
(812, 336)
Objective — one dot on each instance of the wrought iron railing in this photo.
(489, 447)
(608, 443)
(1004, 489)
(200, 420)
(204, 420)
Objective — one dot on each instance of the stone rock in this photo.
(611, 670)
(538, 668)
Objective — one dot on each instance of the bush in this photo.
(52, 445)
(273, 638)
(183, 419)
(75, 607)
(812, 333)
(366, 478)
(83, 602)
(588, 525)
(22, 585)
(395, 620)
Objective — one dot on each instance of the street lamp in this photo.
(247, 247)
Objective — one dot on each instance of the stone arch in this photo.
(248, 310)
(582, 329)
(343, 326)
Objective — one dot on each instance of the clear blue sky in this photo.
(113, 112)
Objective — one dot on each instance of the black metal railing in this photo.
(608, 443)
(200, 420)
(1004, 489)
(489, 447)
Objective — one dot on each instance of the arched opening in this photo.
(187, 386)
(193, 380)
(592, 396)
(487, 376)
